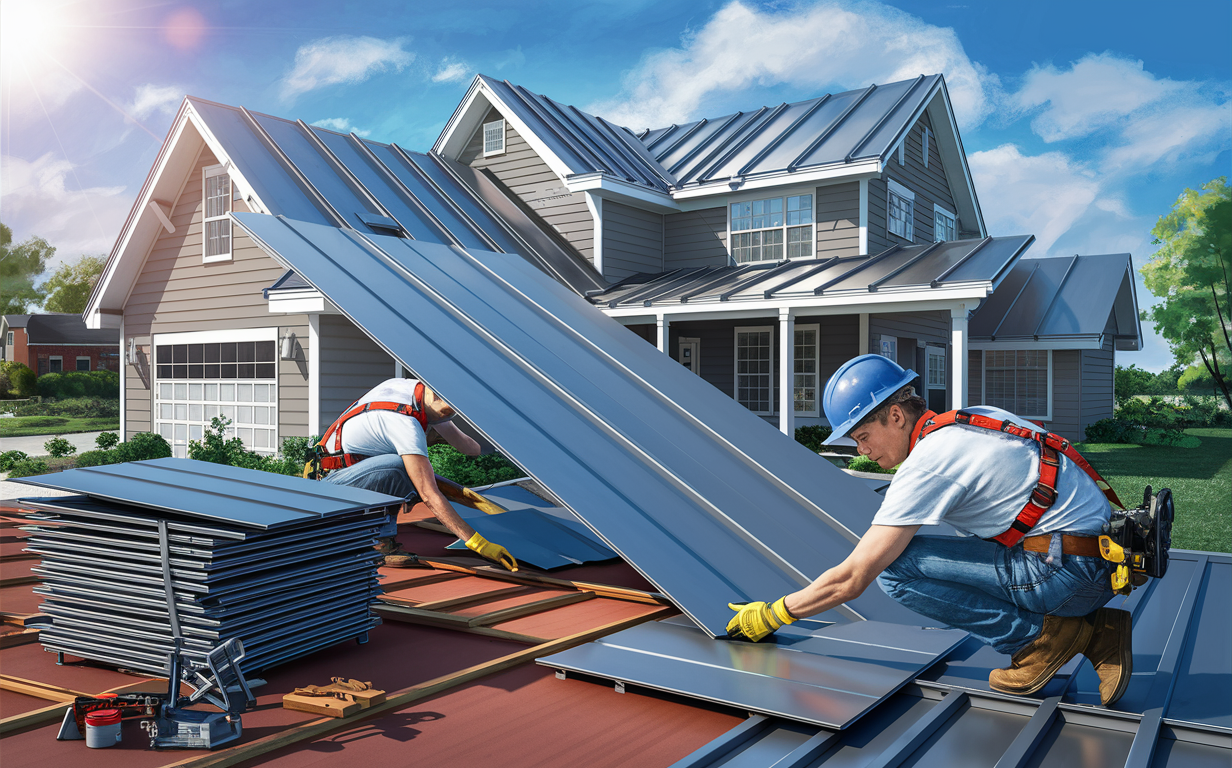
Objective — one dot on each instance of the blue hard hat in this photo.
(862, 384)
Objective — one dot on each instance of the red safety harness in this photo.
(336, 459)
(1051, 445)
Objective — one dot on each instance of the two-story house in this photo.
(756, 248)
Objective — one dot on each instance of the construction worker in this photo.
(381, 443)
(1027, 580)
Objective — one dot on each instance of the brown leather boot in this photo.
(1111, 652)
(395, 555)
(1062, 638)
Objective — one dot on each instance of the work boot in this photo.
(395, 555)
(1061, 639)
(1111, 652)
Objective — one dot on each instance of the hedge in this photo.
(69, 384)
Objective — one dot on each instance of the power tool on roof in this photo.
(1138, 540)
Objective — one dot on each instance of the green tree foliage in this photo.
(1132, 381)
(23, 382)
(1191, 273)
(471, 471)
(19, 266)
(68, 289)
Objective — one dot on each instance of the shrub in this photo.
(142, 446)
(9, 458)
(23, 382)
(107, 440)
(95, 458)
(70, 384)
(219, 449)
(77, 408)
(59, 447)
(29, 468)
(1123, 431)
(812, 436)
(865, 464)
(471, 471)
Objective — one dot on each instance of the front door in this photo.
(690, 354)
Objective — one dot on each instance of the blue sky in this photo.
(1083, 120)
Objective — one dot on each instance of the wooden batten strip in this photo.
(17, 556)
(18, 619)
(407, 583)
(17, 581)
(534, 579)
(297, 733)
(14, 639)
(456, 602)
(37, 689)
(539, 606)
(37, 718)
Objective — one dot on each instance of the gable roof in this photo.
(63, 328)
(1074, 301)
(16, 321)
(831, 136)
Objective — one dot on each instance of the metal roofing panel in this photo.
(540, 539)
(270, 179)
(246, 497)
(945, 256)
(991, 261)
(709, 501)
(1019, 304)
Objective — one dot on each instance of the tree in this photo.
(19, 266)
(1192, 277)
(1132, 381)
(68, 289)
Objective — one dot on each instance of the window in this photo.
(887, 346)
(944, 224)
(217, 227)
(755, 368)
(925, 139)
(83, 362)
(198, 381)
(759, 228)
(805, 385)
(9, 340)
(1017, 381)
(494, 138)
(900, 210)
(55, 364)
(936, 368)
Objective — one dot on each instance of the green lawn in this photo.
(1200, 479)
(24, 426)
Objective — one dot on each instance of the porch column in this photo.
(662, 326)
(958, 357)
(314, 374)
(787, 371)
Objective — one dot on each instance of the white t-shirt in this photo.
(378, 433)
(978, 481)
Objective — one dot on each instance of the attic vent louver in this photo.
(384, 223)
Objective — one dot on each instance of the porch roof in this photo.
(911, 268)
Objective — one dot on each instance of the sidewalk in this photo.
(33, 445)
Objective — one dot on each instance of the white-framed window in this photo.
(83, 362)
(771, 228)
(1019, 381)
(804, 394)
(755, 368)
(924, 139)
(690, 354)
(216, 227)
(900, 210)
(55, 364)
(936, 368)
(945, 224)
(198, 376)
(887, 346)
(494, 138)
(9, 340)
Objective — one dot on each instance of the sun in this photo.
(30, 27)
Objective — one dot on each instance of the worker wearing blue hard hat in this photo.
(1027, 580)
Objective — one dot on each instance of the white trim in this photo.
(207, 173)
(594, 204)
(900, 190)
(902, 151)
(212, 337)
(846, 171)
(624, 191)
(787, 369)
(1045, 417)
(931, 351)
(662, 333)
(947, 212)
(818, 384)
(301, 302)
(863, 217)
(484, 137)
(958, 357)
(123, 382)
(894, 189)
(1028, 344)
(764, 194)
(736, 364)
(314, 374)
(924, 143)
(908, 301)
(696, 343)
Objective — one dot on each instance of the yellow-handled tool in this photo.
(463, 495)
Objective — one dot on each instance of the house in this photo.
(755, 248)
(54, 342)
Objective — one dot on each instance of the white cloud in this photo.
(41, 198)
(342, 59)
(152, 98)
(818, 45)
(340, 124)
(452, 71)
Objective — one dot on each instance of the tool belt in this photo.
(1080, 546)
(1138, 540)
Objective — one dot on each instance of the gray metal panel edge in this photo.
(831, 128)
(884, 119)
(313, 193)
(904, 266)
(859, 267)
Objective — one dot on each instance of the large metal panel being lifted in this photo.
(707, 500)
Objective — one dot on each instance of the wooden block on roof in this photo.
(322, 705)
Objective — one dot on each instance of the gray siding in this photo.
(695, 239)
(1067, 394)
(525, 173)
(838, 220)
(176, 292)
(878, 237)
(911, 329)
(975, 377)
(632, 241)
(1097, 381)
(351, 364)
(930, 185)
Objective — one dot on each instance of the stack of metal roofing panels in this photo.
(174, 548)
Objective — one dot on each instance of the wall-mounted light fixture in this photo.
(132, 350)
(287, 349)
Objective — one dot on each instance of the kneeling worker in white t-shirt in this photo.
(381, 443)
(1026, 579)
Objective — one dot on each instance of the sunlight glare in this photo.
(28, 27)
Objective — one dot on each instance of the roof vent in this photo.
(381, 223)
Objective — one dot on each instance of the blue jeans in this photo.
(383, 474)
(998, 594)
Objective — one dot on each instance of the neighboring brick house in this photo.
(56, 342)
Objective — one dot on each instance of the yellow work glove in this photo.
(484, 548)
(753, 621)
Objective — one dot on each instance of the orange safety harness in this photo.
(1051, 445)
(337, 459)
